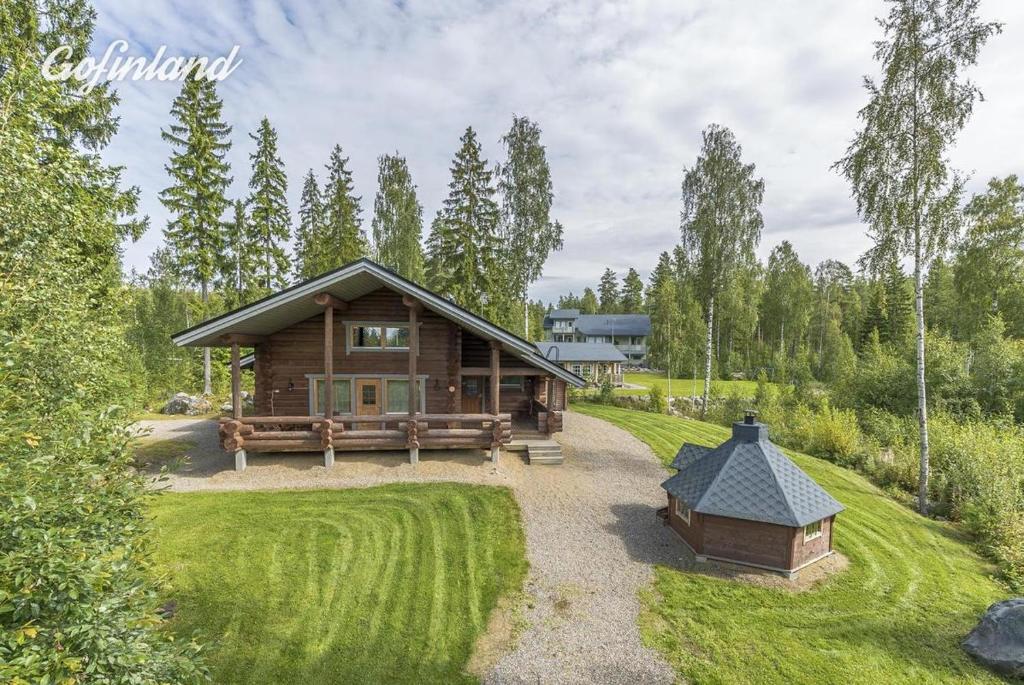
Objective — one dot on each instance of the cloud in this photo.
(621, 90)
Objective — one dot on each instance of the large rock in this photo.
(183, 403)
(998, 640)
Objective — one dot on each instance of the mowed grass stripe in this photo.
(896, 615)
(387, 584)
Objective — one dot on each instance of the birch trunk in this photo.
(922, 404)
(707, 357)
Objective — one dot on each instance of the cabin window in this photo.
(397, 396)
(577, 369)
(512, 382)
(342, 396)
(682, 511)
(812, 531)
(376, 337)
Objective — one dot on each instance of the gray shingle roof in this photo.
(748, 477)
(564, 314)
(614, 324)
(580, 352)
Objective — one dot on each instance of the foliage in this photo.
(270, 221)
(588, 303)
(656, 400)
(608, 293)
(238, 282)
(528, 233)
(341, 239)
(77, 602)
(927, 589)
(462, 250)
(309, 235)
(632, 296)
(720, 222)
(397, 219)
(607, 391)
(386, 584)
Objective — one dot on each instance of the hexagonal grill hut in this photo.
(745, 502)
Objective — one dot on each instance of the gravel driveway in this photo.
(591, 534)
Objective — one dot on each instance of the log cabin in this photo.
(360, 358)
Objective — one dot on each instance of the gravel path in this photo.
(591, 534)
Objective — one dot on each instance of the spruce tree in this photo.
(608, 289)
(397, 219)
(632, 292)
(269, 219)
(589, 303)
(343, 240)
(528, 233)
(240, 260)
(196, 197)
(462, 248)
(310, 230)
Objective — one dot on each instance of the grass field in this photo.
(390, 584)
(913, 590)
(685, 386)
(171, 452)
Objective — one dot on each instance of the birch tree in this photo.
(397, 219)
(898, 164)
(720, 222)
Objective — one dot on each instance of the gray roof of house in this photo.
(748, 477)
(580, 352)
(564, 314)
(614, 324)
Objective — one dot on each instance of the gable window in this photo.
(812, 531)
(373, 337)
(682, 511)
(342, 396)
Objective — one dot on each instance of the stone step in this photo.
(545, 454)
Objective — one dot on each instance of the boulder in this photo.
(226, 407)
(183, 403)
(998, 640)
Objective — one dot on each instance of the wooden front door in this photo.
(368, 397)
(472, 395)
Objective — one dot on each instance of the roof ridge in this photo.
(775, 479)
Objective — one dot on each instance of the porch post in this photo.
(329, 362)
(495, 393)
(414, 395)
(236, 383)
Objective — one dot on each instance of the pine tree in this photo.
(342, 240)
(632, 292)
(196, 199)
(398, 219)
(462, 249)
(528, 234)
(311, 228)
(270, 220)
(608, 289)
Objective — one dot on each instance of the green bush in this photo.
(606, 394)
(656, 400)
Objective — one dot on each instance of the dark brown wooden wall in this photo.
(804, 552)
(750, 541)
(693, 532)
(292, 353)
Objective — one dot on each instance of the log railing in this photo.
(349, 433)
(548, 421)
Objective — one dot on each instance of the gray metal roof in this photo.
(355, 279)
(580, 352)
(748, 477)
(614, 324)
(564, 314)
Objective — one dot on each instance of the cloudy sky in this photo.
(621, 90)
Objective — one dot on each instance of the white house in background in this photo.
(627, 332)
(591, 361)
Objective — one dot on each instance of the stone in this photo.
(183, 403)
(998, 640)
(227, 407)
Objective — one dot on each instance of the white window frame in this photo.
(383, 325)
(814, 535)
(311, 379)
(682, 511)
(504, 383)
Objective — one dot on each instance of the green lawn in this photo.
(685, 386)
(387, 584)
(913, 590)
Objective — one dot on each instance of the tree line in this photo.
(486, 245)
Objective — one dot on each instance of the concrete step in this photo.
(544, 453)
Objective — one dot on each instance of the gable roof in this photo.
(748, 477)
(614, 324)
(564, 314)
(580, 352)
(355, 279)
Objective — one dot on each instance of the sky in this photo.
(622, 91)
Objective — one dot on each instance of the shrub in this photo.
(656, 400)
(606, 395)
